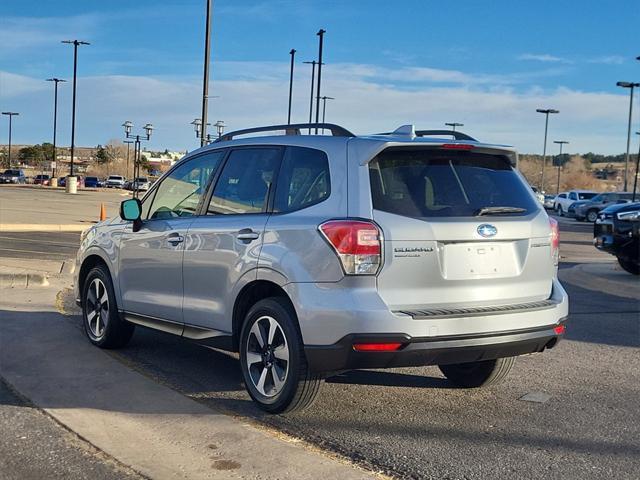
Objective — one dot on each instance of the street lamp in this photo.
(148, 128)
(313, 77)
(293, 54)
(71, 185)
(11, 115)
(197, 126)
(453, 125)
(320, 34)
(219, 127)
(561, 143)
(544, 152)
(55, 120)
(630, 86)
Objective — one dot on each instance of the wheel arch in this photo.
(250, 294)
(91, 261)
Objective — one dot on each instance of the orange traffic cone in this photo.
(103, 213)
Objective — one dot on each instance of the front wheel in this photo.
(102, 322)
(629, 266)
(559, 210)
(272, 359)
(592, 216)
(478, 374)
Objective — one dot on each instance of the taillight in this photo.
(458, 146)
(555, 240)
(357, 243)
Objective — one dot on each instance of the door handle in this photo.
(175, 239)
(247, 234)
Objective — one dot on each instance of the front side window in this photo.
(438, 183)
(180, 192)
(585, 195)
(573, 196)
(245, 181)
(303, 179)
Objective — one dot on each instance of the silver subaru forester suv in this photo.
(314, 254)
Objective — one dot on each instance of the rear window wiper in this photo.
(497, 211)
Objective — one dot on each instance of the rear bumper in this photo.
(429, 351)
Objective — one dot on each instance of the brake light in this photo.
(357, 244)
(555, 240)
(376, 347)
(458, 146)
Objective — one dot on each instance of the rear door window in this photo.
(439, 183)
(245, 181)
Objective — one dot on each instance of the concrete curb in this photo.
(22, 280)
(43, 227)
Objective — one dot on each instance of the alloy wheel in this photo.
(267, 356)
(97, 308)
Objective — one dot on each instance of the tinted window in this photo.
(573, 196)
(438, 183)
(245, 180)
(562, 195)
(586, 196)
(625, 196)
(180, 192)
(303, 179)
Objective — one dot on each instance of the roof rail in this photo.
(454, 133)
(292, 129)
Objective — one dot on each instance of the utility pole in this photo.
(55, 121)
(11, 115)
(630, 86)
(205, 80)
(561, 143)
(544, 152)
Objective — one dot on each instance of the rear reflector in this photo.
(458, 146)
(376, 347)
(560, 329)
(555, 240)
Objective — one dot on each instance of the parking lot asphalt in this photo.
(42, 245)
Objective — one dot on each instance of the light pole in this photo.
(324, 107)
(453, 125)
(293, 55)
(630, 86)
(313, 77)
(11, 115)
(148, 128)
(128, 142)
(544, 151)
(561, 143)
(635, 178)
(71, 184)
(205, 80)
(320, 34)
(55, 120)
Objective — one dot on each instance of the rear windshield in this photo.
(440, 183)
(12, 172)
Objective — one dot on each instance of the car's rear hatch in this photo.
(461, 229)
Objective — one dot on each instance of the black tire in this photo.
(300, 387)
(115, 332)
(629, 266)
(478, 374)
(592, 216)
(559, 211)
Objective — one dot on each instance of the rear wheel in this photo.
(272, 359)
(102, 322)
(592, 216)
(478, 374)
(629, 266)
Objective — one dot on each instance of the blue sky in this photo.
(485, 64)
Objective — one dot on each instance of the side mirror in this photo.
(131, 209)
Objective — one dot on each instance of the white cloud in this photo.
(544, 57)
(368, 99)
(608, 60)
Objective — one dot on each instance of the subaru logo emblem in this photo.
(485, 230)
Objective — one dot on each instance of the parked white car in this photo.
(115, 181)
(564, 200)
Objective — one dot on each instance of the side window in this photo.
(573, 196)
(245, 181)
(614, 197)
(563, 195)
(179, 193)
(303, 179)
